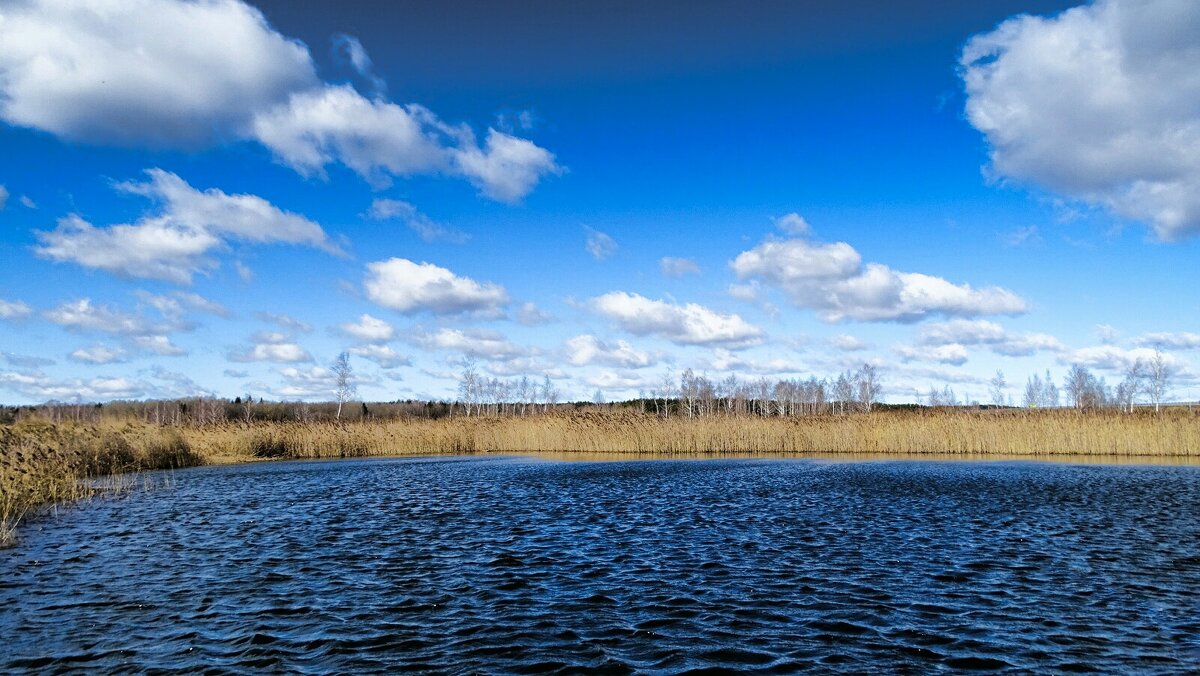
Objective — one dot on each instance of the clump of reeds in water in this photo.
(43, 463)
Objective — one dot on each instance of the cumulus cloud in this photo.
(471, 342)
(39, 386)
(1167, 340)
(1100, 103)
(25, 361)
(408, 287)
(369, 329)
(832, 279)
(188, 74)
(989, 334)
(383, 355)
(507, 168)
(847, 343)
(139, 335)
(425, 227)
(378, 140)
(14, 309)
(1114, 358)
(793, 224)
(689, 324)
(98, 354)
(273, 347)
(143, 72)
(530, 314)
(678, 267)
(587, 349)
(173, 244)
(285, 321)
(939, 354)
(177, 303)
(599, 244)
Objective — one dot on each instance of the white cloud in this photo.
(98, 354)
(530, 314)
(832, 279)
(689, 324)
(369, 329)
(793, 224)
(586, 349)
(140, 72)
(599, 244)
(378, 140)
(1174, 341)
(189, 74)
(990, 334)
(940, 354)
(82, 315)
(678, 267)
(316, 382)
(3, 196)
(1100, 103)
(14, 309)
(383, 355)
(176, 304)
(615, 381)
(425, 227)
(408, 287)
(374, 138)
(724, 360)
(471, 342)
(139, 335)
(39, 386)
(847, 343)
(173, 244)
(273, 347)
(507, 168)
(1114, 358)
(158, 344)
(286, 321)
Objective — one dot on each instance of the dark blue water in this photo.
(521, 565)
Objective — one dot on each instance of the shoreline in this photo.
(44, 463)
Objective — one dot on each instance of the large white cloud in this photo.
(408, 287)
(156, 72)
(174, 242)
(1100, 103)
(689, 324)
(831, 279)
(189, 73)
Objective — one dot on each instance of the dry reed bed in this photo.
(42, 463)
(1009, 433)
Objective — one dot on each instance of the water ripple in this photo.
(516, 565)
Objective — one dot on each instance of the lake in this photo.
(518, 564)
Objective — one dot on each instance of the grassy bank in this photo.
(43, 462)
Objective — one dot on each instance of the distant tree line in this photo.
(691, 395)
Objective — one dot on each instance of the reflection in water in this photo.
(502, 564)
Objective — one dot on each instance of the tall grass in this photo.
(43, 462)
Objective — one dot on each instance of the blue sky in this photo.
(217, 198)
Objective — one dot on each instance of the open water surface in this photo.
(524, 565)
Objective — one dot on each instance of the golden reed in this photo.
(42, 462)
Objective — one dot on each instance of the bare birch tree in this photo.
(344, 387)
